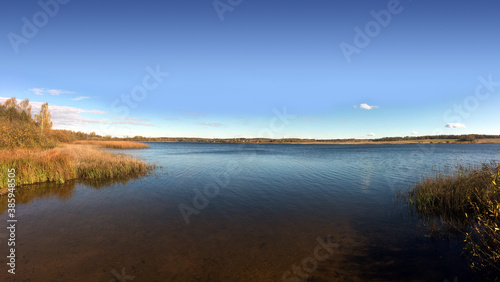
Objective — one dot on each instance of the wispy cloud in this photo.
(455, 125)
(80, 98)
(171, 119)
(366, 106)
(308, 118)
(130, 119)
(97, 112)
(37, 91)
(342, 121)
(194, 114)
(414, 132)
(58, 92)
(41, 91)
(370, 135)
(210, 124)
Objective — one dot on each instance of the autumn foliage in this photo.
(30, 145)
(19, 130)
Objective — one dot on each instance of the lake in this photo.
(243, 212)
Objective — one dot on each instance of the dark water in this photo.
(269, 211)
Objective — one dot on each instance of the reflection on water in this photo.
(279, 203)
(62, 191)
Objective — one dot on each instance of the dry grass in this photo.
(114, 144)
(468, 201)
(69, 161)
(451, 195)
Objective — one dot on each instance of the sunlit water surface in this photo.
(268, 206)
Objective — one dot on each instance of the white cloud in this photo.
(80, 98)
(131, 119)
(41, 91)
(210, 124)
(414, 132)
(370, 134)
(58, 92)
(367, 107)
(455, 125)
(37, 91)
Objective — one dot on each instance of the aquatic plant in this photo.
(468, 201)
(68, 161)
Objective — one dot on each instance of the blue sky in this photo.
(239, 68)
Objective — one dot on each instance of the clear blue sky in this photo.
(418, 73)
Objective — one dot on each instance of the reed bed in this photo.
(451, 195)
(468, 201)
(114, 144)
(68, 161)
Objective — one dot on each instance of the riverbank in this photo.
(70, 161)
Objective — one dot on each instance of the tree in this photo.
(43, 119)
(467, 138)
(11, 103)
(25, 108)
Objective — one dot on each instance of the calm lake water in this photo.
(251, 213)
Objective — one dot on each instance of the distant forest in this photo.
(457, 138)
(21, 129)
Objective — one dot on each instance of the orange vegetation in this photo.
(114, 144)
(68, 161)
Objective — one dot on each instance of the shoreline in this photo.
(69, 162)
(363, 142)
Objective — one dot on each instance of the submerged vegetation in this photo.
(38, 154)
(468, 201)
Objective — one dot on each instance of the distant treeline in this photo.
(19, 129)
(69, 136)
(459, 138)
(468, 137)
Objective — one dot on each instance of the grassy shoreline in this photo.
(467, 201)
(83, 160)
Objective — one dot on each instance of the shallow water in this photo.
(269, 206)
